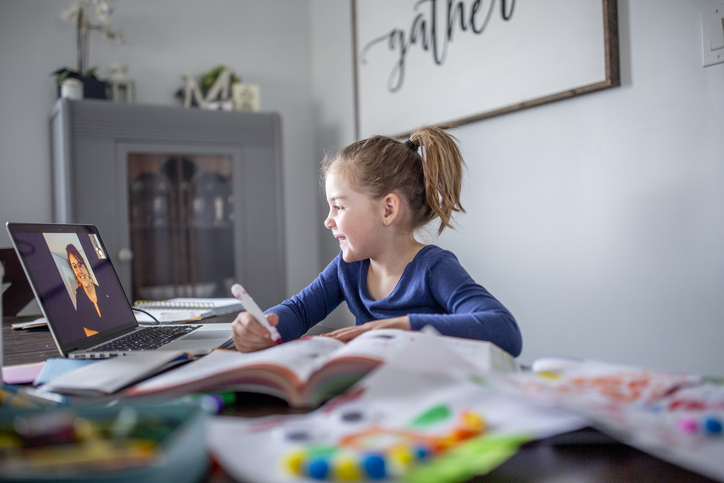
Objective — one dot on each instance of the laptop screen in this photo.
(74, 281)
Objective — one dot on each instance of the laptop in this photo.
(83, 301)
(16, 291)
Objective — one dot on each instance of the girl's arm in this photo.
(472, 312)
(300, 313)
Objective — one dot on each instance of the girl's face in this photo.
(79, 269)
(354, 218)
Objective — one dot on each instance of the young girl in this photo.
(380, 191)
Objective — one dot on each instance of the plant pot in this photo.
(92, 88)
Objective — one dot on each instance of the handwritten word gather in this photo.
(424, 31)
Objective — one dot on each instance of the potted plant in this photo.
(88, 16)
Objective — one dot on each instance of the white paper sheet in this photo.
(422, 376)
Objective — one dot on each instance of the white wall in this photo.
(333, 95)
(599, 221)
(264, 42)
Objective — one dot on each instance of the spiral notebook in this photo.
(206, 307)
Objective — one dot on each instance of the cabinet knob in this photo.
(125, 255)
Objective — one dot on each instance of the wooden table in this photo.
(28, 345)
(585, 456)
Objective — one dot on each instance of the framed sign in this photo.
(448, 62)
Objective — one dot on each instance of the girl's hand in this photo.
(349, 333)
(249, 335)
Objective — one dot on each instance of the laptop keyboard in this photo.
(145, 339)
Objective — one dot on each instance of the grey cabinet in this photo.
(187, 201)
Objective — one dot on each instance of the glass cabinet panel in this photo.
(187, 200)
(181, 222)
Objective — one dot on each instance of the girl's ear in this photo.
(392, 205)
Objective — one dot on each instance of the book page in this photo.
(300, 358)
(384, 344)
(380, 345)
(484, 355)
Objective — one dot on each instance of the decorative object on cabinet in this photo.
(190, 200)
(121, 84)
(71, 89)
(213, 92)
(88, 16)
(246, 97)
(93, 88)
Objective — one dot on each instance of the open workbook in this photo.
(308, 371)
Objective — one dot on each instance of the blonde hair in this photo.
(427, 170)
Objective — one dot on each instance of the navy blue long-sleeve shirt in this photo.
(434, 290)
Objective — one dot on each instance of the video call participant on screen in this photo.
(90, 299)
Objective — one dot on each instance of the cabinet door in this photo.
(187, 201)
(181, 225)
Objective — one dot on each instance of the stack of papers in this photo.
(41, 322)
(662, 413)
(110, 375)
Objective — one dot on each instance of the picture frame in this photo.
(447, 63)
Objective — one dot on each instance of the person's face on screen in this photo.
(80, 270)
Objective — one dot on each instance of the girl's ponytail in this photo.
(442, 166)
